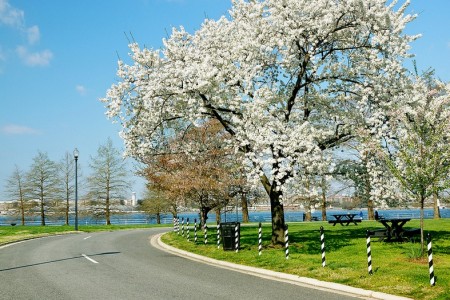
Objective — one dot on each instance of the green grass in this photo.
(9, 234)
(398, 268)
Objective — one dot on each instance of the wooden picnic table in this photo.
(344, 219)
(394, 229)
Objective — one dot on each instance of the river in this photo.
(255, 216)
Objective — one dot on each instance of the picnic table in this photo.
(344, 219)
(394, 230)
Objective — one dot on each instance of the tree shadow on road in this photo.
(57, 260)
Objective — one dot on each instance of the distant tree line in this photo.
(47, 188)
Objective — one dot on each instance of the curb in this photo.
(293, 279)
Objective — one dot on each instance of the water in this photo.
(254, 216)
(297, 216)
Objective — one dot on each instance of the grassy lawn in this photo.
(397, 269)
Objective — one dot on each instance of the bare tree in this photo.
(43, 182)
(109, 176)
(68, 180)
(15, 189)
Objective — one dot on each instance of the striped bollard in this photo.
(218, 235)
(206, 234)
(260, 239)
(174, 224)
(430, 261)
(236, 237)
(286, 241)
(195, 231)
(178, 226)
(322, 248)
(182, 227)
(369, 255)
(187, 229)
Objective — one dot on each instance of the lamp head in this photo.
(75, 153)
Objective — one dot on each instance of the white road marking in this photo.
(90, 259)
(87, 237)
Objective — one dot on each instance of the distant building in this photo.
(133, 199)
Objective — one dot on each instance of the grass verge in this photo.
(10, 234)
(397, 267)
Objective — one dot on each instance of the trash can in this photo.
(228, 232)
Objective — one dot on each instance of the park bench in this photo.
(312, 218)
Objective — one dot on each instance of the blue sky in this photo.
(57, 58)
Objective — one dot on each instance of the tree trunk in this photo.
(204, 215)
(42, 212)
(366, 195)
(308, 203)
(174, 210)
(307, 213)
(22, 210)
(218, 217)
(422, 247)
(370, 210)
(107, 214)
(158, 218)
(277, 211)
(324, 200)
(67, 210)
(324, 207)
(244, 206)
(437, 212)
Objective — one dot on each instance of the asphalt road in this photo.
(123, 265)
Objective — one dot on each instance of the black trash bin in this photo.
(228, 232)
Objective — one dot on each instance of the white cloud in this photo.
(81, 90)
(34, 58)
(33, 34)
(13, 129)
(15, 18)
(11, 16)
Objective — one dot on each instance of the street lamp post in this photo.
(75, 155)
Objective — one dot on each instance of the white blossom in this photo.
(288, 80)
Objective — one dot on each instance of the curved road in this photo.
(123, 265)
